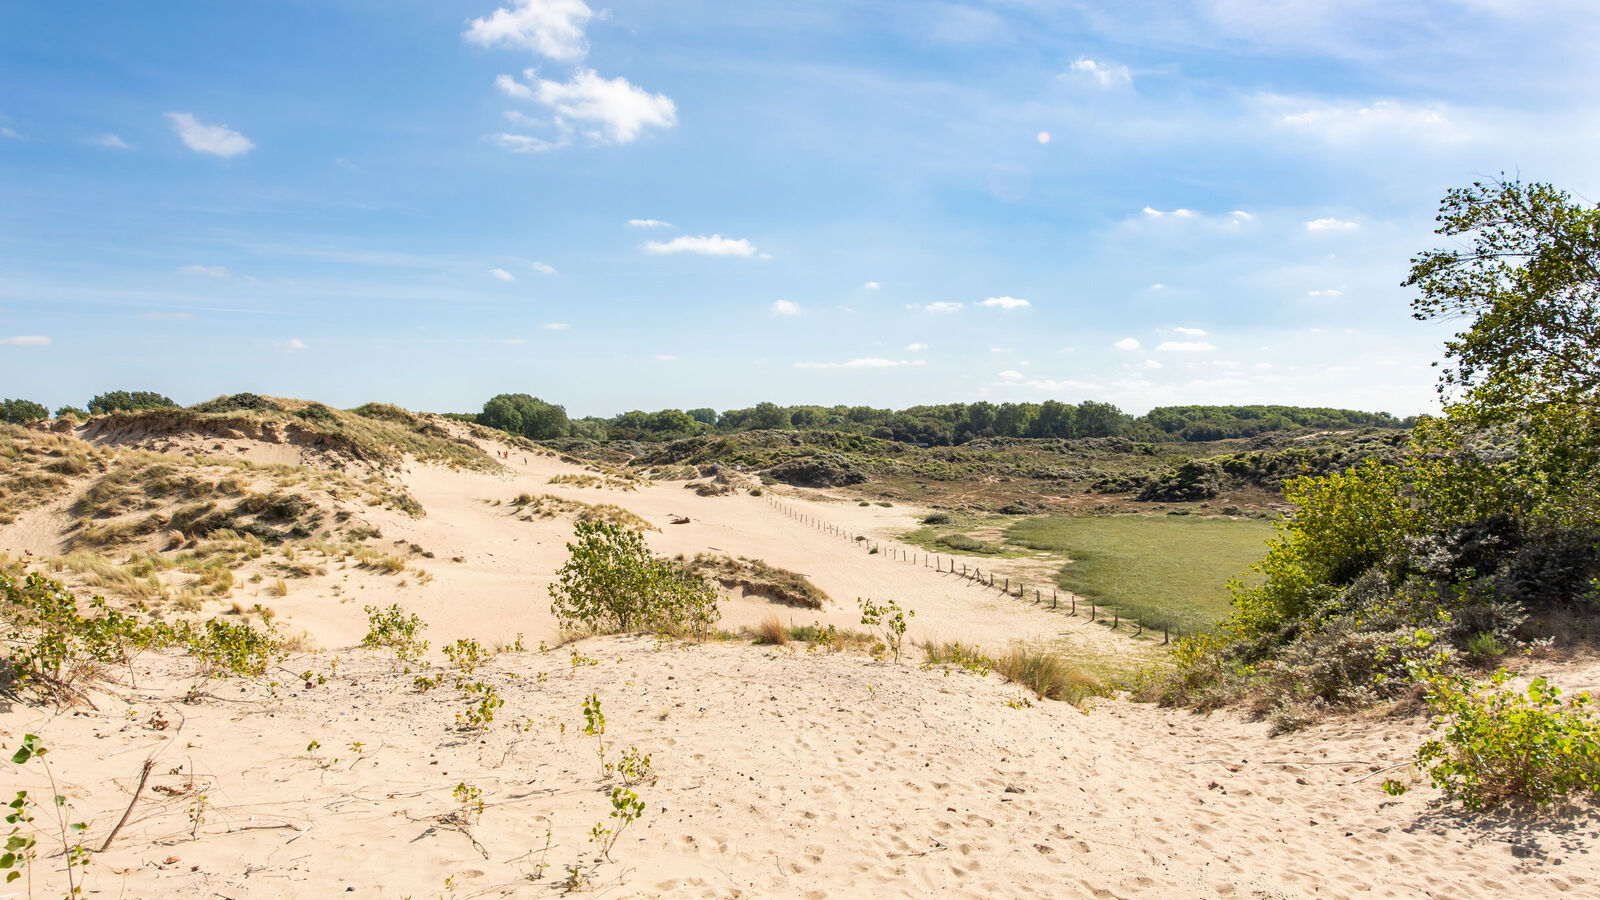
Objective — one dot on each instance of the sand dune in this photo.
(781, 772)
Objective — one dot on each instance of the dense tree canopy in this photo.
(22, 412)
(129, 401)
(525, 415)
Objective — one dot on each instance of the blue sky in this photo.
(641, 205)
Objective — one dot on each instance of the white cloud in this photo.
(872, 285)
(1351, 122)
(527, 143)
(916, 348)
(872, 363)
(714, 245)
(1103, 74)
(943, 307)
(218, 140)
(1127, 343)
(666, 357)
(648, 223)
(1152, 364)
(1158, 286)
(552, 28)
(785, 308)
(1005, 303)
(26, 340)
(208, 271)
(1331, 225)
(617, 110)
(556, 326)
(502, 274)
(542, 268)
(112, 141)
(1241, 214)
(1327, 292)
(9, 134)
(1001, 350)
(1186, 347)
(1048, 384)
(1192, 332)
(294, 345)
(1154, 213)
(1010, 375)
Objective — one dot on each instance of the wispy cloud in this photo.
(785, 308)
(208, 271)
(1005, 303)
(713, 245)
(111, 141)
(1192, 332)
(1010, 375)
(648, 223)
(943, 307)
(1331, 225)
(543, 268)
(502, 274)
(26, 340)
(294, 345)
(556, 326)
(217, 140)
(8, 134)
(864, 363)
(1103, 74)
(872, 285)
(1185, 347)
(1127, 343)
(666, 357)
(553, 28)
(1325, 292)
(916, 348)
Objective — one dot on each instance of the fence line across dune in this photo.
(1169, 630)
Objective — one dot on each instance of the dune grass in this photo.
(1168, 569)
(758, 577)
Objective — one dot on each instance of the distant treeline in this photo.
(939, 425)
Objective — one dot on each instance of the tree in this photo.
(525, 415)
(704, 415)
(612, 583)
(126, 401)
(1529, 283)
(22, 412)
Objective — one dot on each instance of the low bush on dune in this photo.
(612, 583)
(758, 577)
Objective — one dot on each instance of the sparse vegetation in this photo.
(612, 583)
(757, 577)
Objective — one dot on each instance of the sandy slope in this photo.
(780, 774)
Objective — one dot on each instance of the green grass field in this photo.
(1161, 568)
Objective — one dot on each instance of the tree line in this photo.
(935, 425)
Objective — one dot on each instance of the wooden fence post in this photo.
(1117, 618)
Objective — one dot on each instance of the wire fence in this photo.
(1068, 603)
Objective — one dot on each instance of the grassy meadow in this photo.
(1160, 568)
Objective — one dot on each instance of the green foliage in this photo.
(483, 701)
(467, 654)
(595, 726)
(626, 808)
(890, 620)
(525, 415)
(22, 412)
(126, 401)
(1500, 743)
(612, 583)
(51, 647)
(225, 648)
(397, 630)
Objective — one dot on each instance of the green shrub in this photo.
(612, 583)
(22, 412)
(967, 544)
(126, 401)
(1500, 743)
(397, 630)
(937, 518)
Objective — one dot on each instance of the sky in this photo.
(640, 205)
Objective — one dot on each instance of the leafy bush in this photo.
(968, 544)
(52, 648)
(937, 518)
(396, 630)
(237, 403)
(612, 583)
(22, 412)
(126, 401)
(1500, 743)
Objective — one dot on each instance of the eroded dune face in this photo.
(773, 770)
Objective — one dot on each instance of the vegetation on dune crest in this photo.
(758, 577)
(1483, 535)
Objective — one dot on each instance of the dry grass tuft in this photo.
(1048, 674)
(772, 631)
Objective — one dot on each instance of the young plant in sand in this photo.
(395, 629)
(612, 583)
(467, 655)
(483, 700)
(595, 725)
(626, 808)
(21, 848)
(890, 620)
